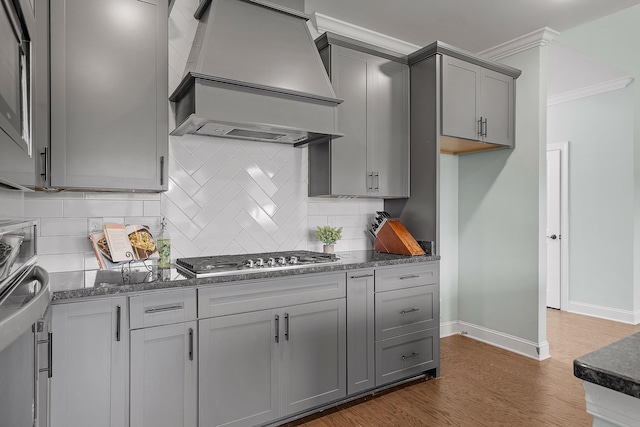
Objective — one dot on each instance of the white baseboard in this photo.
(449, 328)
(505, 341)
(624, 316)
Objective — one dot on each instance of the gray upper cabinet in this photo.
(108, 95)
(372, 159)
(462, 102)
(477, 103)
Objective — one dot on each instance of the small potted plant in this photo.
(329, 236)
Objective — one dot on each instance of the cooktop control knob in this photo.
(282, 261)
(260, 262)
(293, 260)
(271, 262)
(250, 263)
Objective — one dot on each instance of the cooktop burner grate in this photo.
(232, 264)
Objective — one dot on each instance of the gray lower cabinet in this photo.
(407, 321)
(164, 359)
(164, 375)
(372, 158)
(477, 103)
(313, 361)
(260, 366)
(239, 378)
(360, 331)
(109, 109)
(89, 386)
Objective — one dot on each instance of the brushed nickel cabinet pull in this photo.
(45, 155)
(161, 309)
(161, 170)
(377, 177)
(191, 344)
(361, 276)
(277, 329)
(411, 276)
(412, 355)
(411, 310)
(286, 326)
(485, 127)
(480, 126)
(118, 316)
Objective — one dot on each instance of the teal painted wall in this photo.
(599, 129)
(448, 238)
(499, 217)
(615, 39)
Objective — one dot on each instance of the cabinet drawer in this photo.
(245, 296)
(401, 357)
(408, 310)
(154, 309)
(388, 279)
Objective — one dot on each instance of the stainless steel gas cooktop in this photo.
(208, 266)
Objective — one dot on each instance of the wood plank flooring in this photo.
(481, 385)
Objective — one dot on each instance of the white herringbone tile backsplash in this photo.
(225, 196)
(229, 196)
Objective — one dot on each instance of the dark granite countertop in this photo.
(91, 283)
(616, 366)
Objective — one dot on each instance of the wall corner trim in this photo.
(594, 89)
(449, 328)
(537, 351)
(537, 38)
(327, 23)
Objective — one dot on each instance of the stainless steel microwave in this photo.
(16, 19)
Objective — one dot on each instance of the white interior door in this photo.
(554, 255)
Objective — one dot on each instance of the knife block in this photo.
(394, 238)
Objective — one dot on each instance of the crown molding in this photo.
(537, 38)
(324, 23)
(590, 90)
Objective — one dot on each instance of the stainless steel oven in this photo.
(24, 299)
(16, 159)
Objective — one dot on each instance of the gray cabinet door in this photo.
(360, 332)
(388, 140)
(109, 94)
(372, 158)
(351, 79)
(164, 371)
(460, 98)
(497, 107)
(90, 384)
(313, 355)
(239, 379)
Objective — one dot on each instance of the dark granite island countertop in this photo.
(616, 366)
(611, 381)
(91, 283)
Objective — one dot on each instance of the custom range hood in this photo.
(254, 73)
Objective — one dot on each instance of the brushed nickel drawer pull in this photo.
(412, 310)
(277, 329)
(362, 276)
(191, 344)
(413, 354)
(161, 309)
(412, 276)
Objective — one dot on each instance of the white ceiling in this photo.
(472, 25)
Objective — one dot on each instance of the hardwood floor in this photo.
(481, 385)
